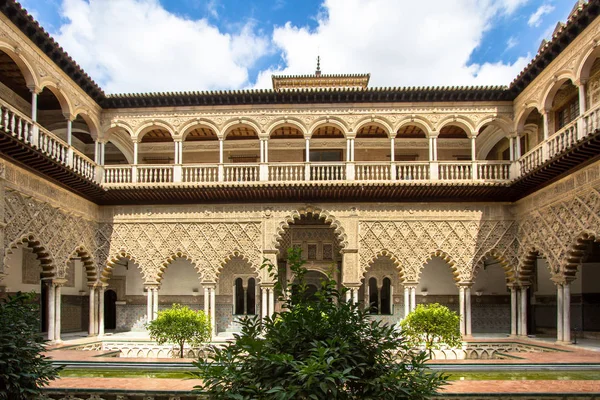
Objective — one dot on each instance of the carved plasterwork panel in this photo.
(555, 218)
(207, 245)
(58, 232)
(462, 243)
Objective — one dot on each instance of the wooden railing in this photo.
(21, 127)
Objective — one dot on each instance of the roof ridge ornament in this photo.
(318, 71)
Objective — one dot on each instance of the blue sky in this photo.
(185, 45)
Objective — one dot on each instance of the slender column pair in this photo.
(518, 310)
(267, 301)
(96, 313)
(464, 304)
(410, 298)
(563, 312)
(151, 303)
(210, 305)
(54, 309)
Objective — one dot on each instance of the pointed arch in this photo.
(576, 252)
(377, 121)
(172, 257)
(39, 249)
(297, 214)
(444, 256)
(237, 254)
(106, 272)
(86, 256)
(510, 272)
(381, 254)
(525, 268)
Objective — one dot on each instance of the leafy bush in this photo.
(23, 369)
(434, 325)
(320, 347)
(180, 325)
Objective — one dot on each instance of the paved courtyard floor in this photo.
(586, 354)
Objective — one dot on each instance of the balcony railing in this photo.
(32, 134)
(22, 128)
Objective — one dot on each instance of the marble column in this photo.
(523, 313)
(559, 312)
(51, 310)
(58, 314)
(468, 323)
(513, 311)
(92, 318)
(264, 302)
(413, 297)
(271, 301)
(101, 290)
(406, 300)
(155, 305)
(461, 309)
(34, 97)
(567, 312)
(149, 303)
(355, 295)
(245, 300)
(213, 311)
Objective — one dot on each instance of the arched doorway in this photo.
(110, 309)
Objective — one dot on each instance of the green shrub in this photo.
(180, 325)
(320, 347)
(433, 325)
(23, 369)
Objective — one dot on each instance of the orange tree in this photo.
(319, 347)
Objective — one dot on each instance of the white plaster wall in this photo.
(491, 281)
(544, 285)
(14, 278)
(180, 278)
(437, 278)
(134, 282)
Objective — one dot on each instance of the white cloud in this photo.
(511, 42)
(536, 18)
(137, 46)
(411, 43)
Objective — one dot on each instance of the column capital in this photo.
(580, 82)
(410, 284)
(69, 116)
(56, 281)
(34, 89)
(209, 285)
(466, 284)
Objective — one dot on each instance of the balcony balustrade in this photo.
(32, 134)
